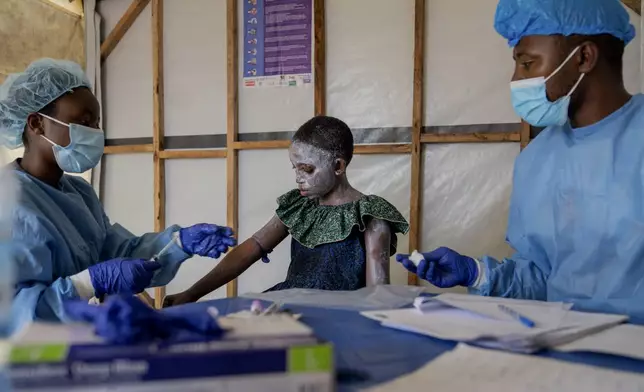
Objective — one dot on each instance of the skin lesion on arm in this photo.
(241, 258)
(377, 244)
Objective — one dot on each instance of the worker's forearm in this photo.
(233, 265)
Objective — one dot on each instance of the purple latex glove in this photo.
(126, 320)
(207, 240)
(443, 268)
(122, 276)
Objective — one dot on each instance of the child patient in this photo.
(342, 239)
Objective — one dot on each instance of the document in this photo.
(475, 369)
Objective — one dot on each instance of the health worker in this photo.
(576, 215)
(63, 243)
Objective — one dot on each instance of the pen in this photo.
(517, 316)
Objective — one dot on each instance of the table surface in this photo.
(367, 354)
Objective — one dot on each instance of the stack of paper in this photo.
(480, 320)
(624, 340)
(474, 369)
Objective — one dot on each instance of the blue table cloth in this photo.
(368, 354)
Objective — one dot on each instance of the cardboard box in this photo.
(55, 362)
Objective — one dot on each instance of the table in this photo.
(368, 354)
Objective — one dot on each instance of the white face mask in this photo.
(531, 103)
(84, 151)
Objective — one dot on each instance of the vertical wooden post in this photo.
(319, 65)
(525, 134)
(417, 125)
(232, 185)
(158, 131)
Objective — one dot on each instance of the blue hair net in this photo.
(43, 82)
(516, 19)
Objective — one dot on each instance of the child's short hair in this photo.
(329, 134)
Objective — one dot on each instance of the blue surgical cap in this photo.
(516, 19)
(43, 82)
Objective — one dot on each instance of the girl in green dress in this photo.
(341, 239)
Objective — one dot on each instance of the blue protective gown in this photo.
(577, 217)
(60, 231)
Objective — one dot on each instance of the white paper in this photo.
(474, 369)
(624, 340)
(477, 319)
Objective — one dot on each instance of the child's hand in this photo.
(179, 299)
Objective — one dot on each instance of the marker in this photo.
(517, 316)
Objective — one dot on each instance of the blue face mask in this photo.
(531, 103)
(84, 151)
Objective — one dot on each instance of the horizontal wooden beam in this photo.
(367, 149)
(261, 145)
(132, 149)
(123, 25)
(192, 154)
(470, 137)
(360, 149)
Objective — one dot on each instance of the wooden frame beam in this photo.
(192, 154)
(319, 57)
(261, 145)
(635, 5)
(232, 127)
(138, 148)
(371, 149)
(158, 130)
(123, 25)
(417, 126)
(360, 149)
(525, 134)
(471, 137)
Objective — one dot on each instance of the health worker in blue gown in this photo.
(63, 243)
(576, 215)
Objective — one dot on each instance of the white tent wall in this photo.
(369, 84)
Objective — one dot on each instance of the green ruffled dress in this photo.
(327, 250)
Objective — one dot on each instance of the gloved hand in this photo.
(207, 240)
(122, 276)
(443, 268)
(127, 320)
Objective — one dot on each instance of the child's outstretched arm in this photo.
(234, 264)
(377, 240)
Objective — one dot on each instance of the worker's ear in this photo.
(35, 124)
(340, 166)
(588, 56)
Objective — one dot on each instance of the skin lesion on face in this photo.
(314, 170)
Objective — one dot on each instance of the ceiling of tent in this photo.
(31, 29)
(73, 6)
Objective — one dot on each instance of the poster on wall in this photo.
(278, 42)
